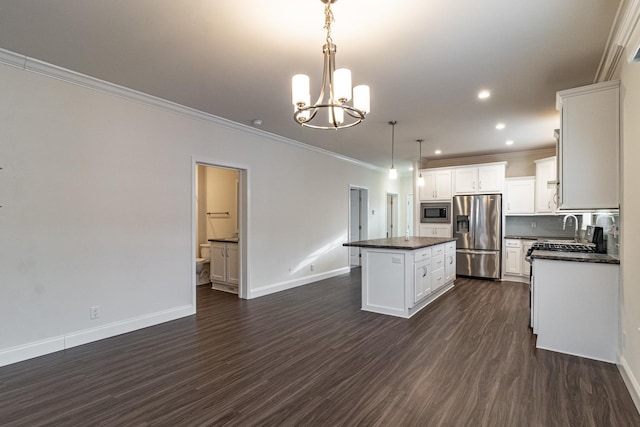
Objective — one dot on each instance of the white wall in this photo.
(97, 210)
(220, 192)
(630, 212)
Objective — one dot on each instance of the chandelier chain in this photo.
(328, 19)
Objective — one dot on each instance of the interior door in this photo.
(355, 226)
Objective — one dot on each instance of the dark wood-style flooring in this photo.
(310, 356)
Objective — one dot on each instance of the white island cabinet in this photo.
(400, 277)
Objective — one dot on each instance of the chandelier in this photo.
(340, 115)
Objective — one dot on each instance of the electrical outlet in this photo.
(533, 224)
(312, 267)
(94, 312)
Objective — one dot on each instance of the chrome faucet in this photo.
(564, 225)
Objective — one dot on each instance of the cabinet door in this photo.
(428, 190)
(513, 263)
(520, 196)
(466, 180)
(443, 184)
(233, 266)
(422, 280)
(450, 267)
(218, 262)
(589, 147)
(490, 179)
(546, 188)
(443, 231)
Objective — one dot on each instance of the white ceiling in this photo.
(424, 60)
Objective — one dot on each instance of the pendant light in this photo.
(420, 177)
(393, 172)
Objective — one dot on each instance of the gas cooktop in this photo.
(563, 247)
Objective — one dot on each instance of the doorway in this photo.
(219, 225)
(358, 226)
(392, 215)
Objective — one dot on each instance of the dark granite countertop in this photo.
(513, 236)
(399, 243)
(225, 240)
(574, 256)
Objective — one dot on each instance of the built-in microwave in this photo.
(435, 212)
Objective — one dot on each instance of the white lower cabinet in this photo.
(224, 266)
(422, 280)
(513, 251)
(450, 262)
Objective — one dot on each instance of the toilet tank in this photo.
(205, 251)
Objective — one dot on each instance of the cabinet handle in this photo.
(480, 185)
(473, 185)
(227, 252)
(450, 259)
(509, 206)
(549, 204)
(424, 271)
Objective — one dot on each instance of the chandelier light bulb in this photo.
(421, 181)
(361, 98)
(300, 90)
(342, 85)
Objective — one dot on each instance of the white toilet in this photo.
(203, 264)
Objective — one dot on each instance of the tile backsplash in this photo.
(538, 226)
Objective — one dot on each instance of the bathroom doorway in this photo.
(219, 243)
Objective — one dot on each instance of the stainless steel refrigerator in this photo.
(477, 224)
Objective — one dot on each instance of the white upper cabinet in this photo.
(480, 179)
(588, 150)
(520, 195)
(437, 185)
(546, 186)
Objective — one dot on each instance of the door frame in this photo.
(364, 217)
(395, 213)
(244, 236)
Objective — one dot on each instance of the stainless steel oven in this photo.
(435, 212)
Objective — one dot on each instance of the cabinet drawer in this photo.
(450, 247)
(437, 250)
(437, 261)
(422, 254)
(512, 243)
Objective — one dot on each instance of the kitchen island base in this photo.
(403, 277)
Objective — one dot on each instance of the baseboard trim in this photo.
(290, 284)
(630, 381)
(52, 345)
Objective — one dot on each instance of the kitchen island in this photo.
(575, 303)
(400, 277)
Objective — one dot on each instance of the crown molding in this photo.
(625, 33)
(40, 67)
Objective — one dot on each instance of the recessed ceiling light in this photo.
(438, 151)
(484, 94)
(256, 122)
(500, 126)
(509, 142)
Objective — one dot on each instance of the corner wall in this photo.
(97, 199)
(630, 212)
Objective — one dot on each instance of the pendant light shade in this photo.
(393, 172)
(420, 177)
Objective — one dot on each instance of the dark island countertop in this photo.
(400, 243)
(515, 236)
(225, 240)
(575, 257)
